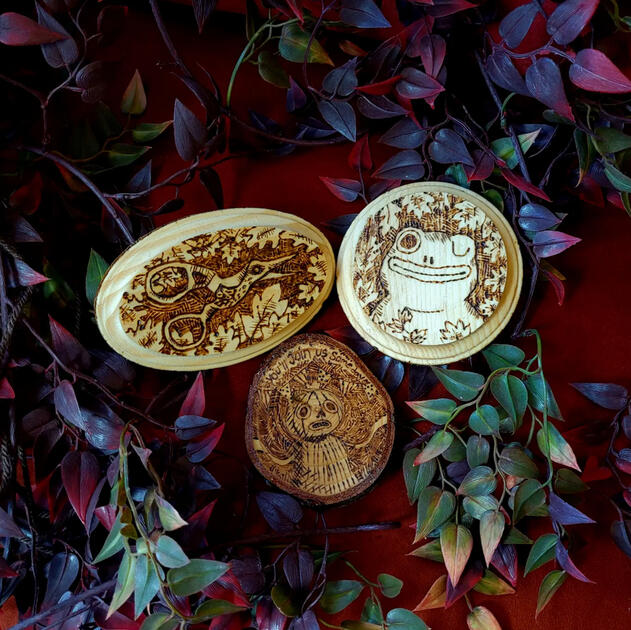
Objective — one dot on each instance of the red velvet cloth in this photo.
(586, 339)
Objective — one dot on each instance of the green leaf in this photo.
(462, 385)
(458, 174)
(514, 461)
(124, 583)
(540, 395)
(504, 149)
(417, 477)
(438, 411)
(429, 551)
(501, 355)
(113, 543)
(529, 497)
(477, 506)
(169, 554)
(495, 198)
(434, 508)
(511, 393)
(160, 621)
(438, 443)
(492, 526)
(568, 482)
(491, 584)
(361, 625)
(610, 140)
(271, 71)
(477, 482)
(371, 612)
(584, 153)
(515, 537)
(481, 618)
(549, 586)
(340, 594)
(293, 46)
(390, 586)
(457, 452)
(169, 516)
(618, 179)
(97, 266)
(283, 600)
(145, 132)
(147, 584)
(134, 99)
(541, 552)
(215, 608)
(122, 154)
(402, 619)
(195, 576)
(485, 420)
(456, 543)
(478, 449)
(552, 442)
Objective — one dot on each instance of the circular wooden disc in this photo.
(214, 289)
(429, 273)
(319, 424)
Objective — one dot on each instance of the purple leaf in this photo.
(296, 98)
(626, 426)
(457, 471)
(522, 184)
(607, 395)
(306, 621)
(620, 532)
(340, 224)
(189, 132)
(448, 147)
(344, 189)
(62, 53)
(8, 526)
(103, 427)
(471, 576)
(484, 164)
(564, 560)
(298, 569)
(249, 572)
(535, 218)
(415, 84)
(62, 572)
(195, 400)
(569, 19)
(592, 70)
(67, 406)
(388, 371)
(550, 242)
(432, 49)
(378, 107)
(18, 30)
(502, 71)
(281, 511)
(421, 379)
(192, 426)
(25, 276)
(341, 116)
(442, 8)
(406, 165)
(202, 10)
(350, 337)
(566, 514)
(203, 480)
(505, 561)
(515, 26)
(543, 80)
(623, 460)
(198, 450)
(404, 134)
(341, 81)
(212, 183)
(80, 472)
(363, 14)
(141, 180)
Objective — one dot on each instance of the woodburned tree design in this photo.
(223, 291)
(429, 268)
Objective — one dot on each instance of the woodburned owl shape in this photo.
(319, 424)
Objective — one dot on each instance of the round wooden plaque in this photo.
(319, 424)
(214, 289)
(429, 273)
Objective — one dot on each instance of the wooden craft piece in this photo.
(214, 289)
(319, 424)
(429, 273)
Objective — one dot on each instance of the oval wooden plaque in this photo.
(319, 424)
(214, 289)
(429, 273)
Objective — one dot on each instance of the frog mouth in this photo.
(429, 273)
(320, 424)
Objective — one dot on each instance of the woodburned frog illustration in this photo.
(427, 278)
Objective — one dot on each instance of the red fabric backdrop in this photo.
(586, 339)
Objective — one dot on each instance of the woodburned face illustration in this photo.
(223, 291)
(318, 427)
(430, 268)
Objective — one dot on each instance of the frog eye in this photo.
(303, 411)
(330, 406)
(256, 269)
(409, 241)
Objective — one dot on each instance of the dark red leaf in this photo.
(195, 401)
(551, 242)
(198, 524)
(544, 81)
(340, 224)
(502, 71)
(268, 617)
(202, 10)
(119, 620)
(249, 571)
(6, 391)
(484, 164)
(516, 24)
(505, 561)
(381, 87)
(564, 560)
(349, 336)
(80, 473)
(25, 276)
(212, 183)
(448, 146)
(406, 165)
(8, 526)
(592, 70)
(191, 427)
(67, 347)
(281, 511)
(27, 198)
(569, 19)
(566, 514)
(471, 576)
(592, 471)
(189, 132)
(6, 571)
(432, 49)
(106, 515)
(198, 450)
(607, 395)
(557, 285)
(360, 154)
(67, 406)
(344, 189)
(19, 30)
(415, 84)
(341, 116)
(519, 182)
(379, 107)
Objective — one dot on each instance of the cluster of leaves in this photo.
(618, 457)
(477, 484)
